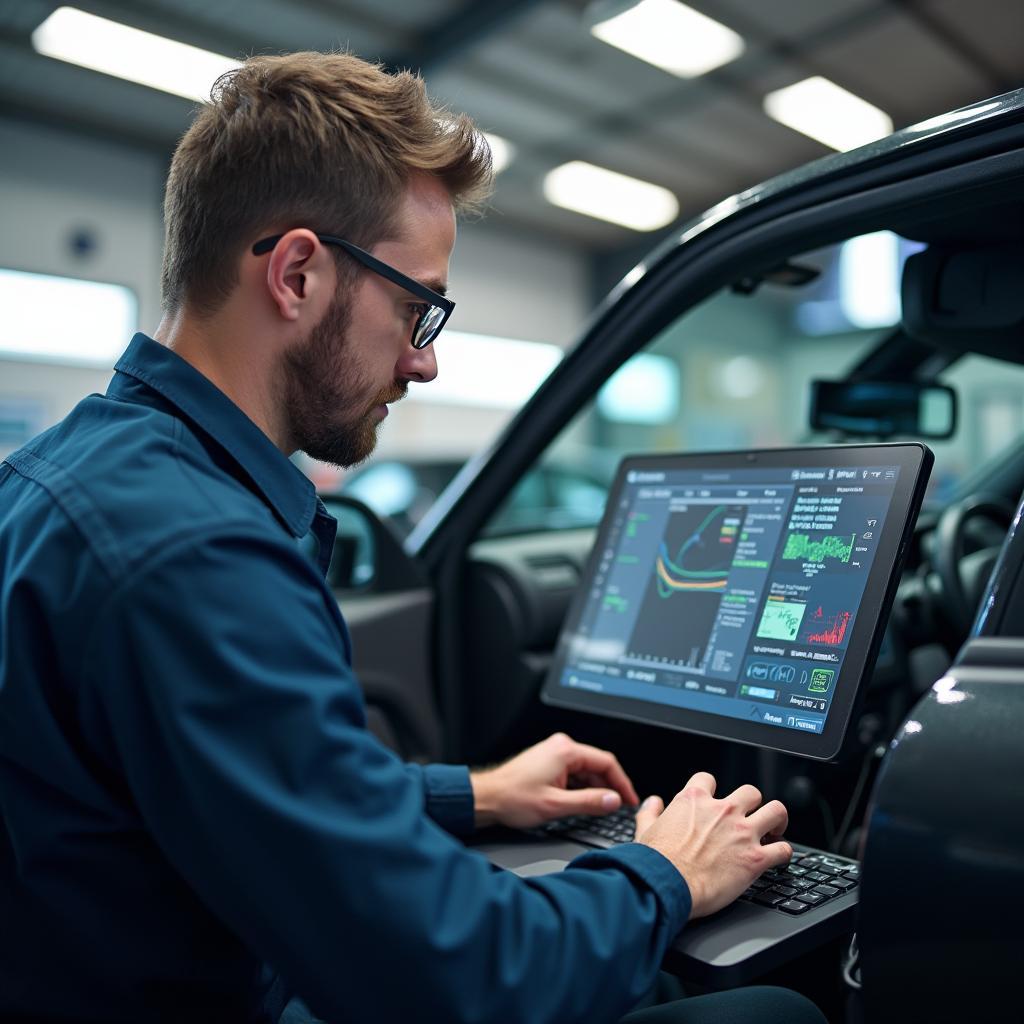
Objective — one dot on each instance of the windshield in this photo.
(991, 420)
(734, 372)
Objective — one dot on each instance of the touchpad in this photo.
(539, 867)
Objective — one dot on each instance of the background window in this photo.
(64, 319)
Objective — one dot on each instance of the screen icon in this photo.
(821, 680)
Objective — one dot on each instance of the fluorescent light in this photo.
(671, 36)
(63, 319)
(482, 370)
(828, 113)
(502, 151)
(610, 196)
(92, 42)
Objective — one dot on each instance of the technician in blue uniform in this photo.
(194, 822)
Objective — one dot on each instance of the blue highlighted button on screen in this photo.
(761, 692)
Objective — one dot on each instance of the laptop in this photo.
(741, 596)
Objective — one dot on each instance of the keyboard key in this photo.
(769, 899)
(817, 876)
(825, 890)
(797, 871)
(843, 883)
(794, 907)
(852, 871)
(801, 884)
(784, 890)
(833, 865)
(758, 884)
(810, 898)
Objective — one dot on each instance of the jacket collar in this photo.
(282, 485)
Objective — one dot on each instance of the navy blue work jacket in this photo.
(191, 807)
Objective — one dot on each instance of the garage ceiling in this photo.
(530, 70)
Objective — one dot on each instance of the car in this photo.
(454, 627)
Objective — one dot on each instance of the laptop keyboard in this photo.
(604, 831)
(810, 879)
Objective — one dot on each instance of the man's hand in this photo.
(718, 846)
(534, 786)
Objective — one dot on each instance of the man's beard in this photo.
(323, 386)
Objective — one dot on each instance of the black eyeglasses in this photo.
(430, 321)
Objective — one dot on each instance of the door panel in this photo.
(391, 645)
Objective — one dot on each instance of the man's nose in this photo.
(419, 364)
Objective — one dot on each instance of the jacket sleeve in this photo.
(240, 730)
(448, 796)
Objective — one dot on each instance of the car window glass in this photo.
(991, 418)
(734, 372)
(526, 508)
(730, 373)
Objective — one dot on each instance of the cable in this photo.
(858, 789)
(828, 821)
(851, 965)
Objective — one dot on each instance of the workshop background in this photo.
(613, 124)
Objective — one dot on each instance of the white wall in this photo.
(53, 183)
(506, 286)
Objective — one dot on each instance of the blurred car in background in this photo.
(548, 497)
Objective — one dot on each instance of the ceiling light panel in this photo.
(91, 42)
(671, 36)
(608, 195)
(828, 113)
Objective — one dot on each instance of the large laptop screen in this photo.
(741, 595)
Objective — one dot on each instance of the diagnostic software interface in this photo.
(732, 592)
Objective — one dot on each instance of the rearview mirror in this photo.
(883, 408)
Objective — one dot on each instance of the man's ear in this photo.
(300, 275)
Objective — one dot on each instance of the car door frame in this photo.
(746, 235)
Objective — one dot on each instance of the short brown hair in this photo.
(319, 140)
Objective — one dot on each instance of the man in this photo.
(187, 788)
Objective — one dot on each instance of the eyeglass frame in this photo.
(385, 270)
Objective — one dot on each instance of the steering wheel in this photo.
(963, 576)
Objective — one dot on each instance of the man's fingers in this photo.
(702, 780)
(748, 798)
(778, 854)
(583, 801)
(770, 820)
(648, 813)
(604, 765)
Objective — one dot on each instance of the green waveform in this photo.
(800, 545)
(781, 620)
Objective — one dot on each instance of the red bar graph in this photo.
(833, 632)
